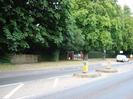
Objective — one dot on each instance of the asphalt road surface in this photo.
(115, 87)
(16, 77)
(118, 86)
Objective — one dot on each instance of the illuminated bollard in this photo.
(85, 67)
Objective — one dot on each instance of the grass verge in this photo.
(6, 67)
(37, 66)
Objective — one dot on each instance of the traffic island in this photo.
(87, 75)
(85, 72)
(107, 70)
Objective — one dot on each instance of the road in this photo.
(35, 75)
(15, 77)
(118, 87)
(59, 83)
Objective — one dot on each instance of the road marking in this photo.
(55, 82)
(13, 91)
(50, 78)
(10, 84)
(31, 96)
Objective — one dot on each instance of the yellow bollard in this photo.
(85, 67)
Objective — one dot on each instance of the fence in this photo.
(22, 58)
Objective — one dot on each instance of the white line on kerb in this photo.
(55, 82)
(13, 91)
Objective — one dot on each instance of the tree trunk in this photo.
(55, 55)
(85, 56)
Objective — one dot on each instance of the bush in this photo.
(5, 59)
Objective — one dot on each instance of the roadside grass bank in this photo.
(7, 67)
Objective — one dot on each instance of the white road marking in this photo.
(20, 84)
(10, 84)
(30, 96)
(55, 82)
(50, 78)
(13, 91)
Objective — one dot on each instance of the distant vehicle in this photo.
(121, 58)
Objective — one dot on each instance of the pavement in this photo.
(52, 85)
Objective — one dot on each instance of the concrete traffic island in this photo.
(85, 73)
(107, 69)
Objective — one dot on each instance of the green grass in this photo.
(6, 67)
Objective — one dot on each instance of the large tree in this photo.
(127, 28)
(33, 25)
(94, 18)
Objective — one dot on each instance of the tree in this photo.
(20, 27)
(127, 29)
(94, 20)
(31, 26)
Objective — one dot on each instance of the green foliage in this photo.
(104, 24)
(94, 20)
(127, 29)
(33, 25)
